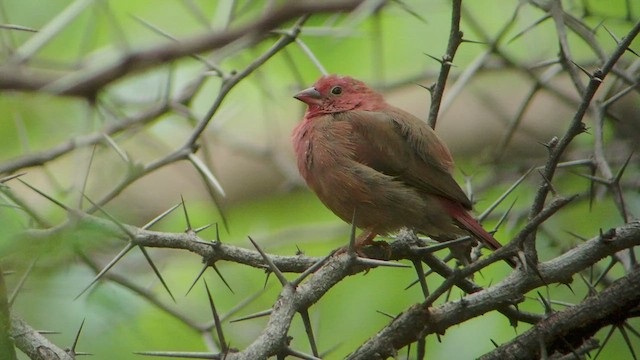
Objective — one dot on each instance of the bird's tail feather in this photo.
(468, 223)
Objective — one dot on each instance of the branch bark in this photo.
(569, 329)
(87, 82)
(33, 344)
(419, 321)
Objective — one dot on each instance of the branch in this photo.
(87, 82)
(570, 328)
(577, 126)
(6, 340)
(33, 344)
(455, 39)
(419, 321)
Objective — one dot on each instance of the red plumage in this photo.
(355, 151)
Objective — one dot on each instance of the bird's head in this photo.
(333, 94)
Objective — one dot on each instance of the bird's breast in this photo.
(322, 145)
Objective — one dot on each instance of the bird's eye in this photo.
(336, 90)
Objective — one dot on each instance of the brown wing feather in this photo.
(398, 144)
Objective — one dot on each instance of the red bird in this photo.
(356, 152)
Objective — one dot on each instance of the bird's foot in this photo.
(365, 247)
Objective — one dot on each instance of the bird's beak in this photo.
(309, 96)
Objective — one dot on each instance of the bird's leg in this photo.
(366, 239)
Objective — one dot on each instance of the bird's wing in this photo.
(399, 144)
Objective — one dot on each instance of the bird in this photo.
(380, 167)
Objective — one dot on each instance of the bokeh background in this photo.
(247, 146)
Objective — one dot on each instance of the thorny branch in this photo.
(568, 329)
(402, 330)
(420, 320)
(455, 39)
(88, 82)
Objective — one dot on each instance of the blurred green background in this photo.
(249, 151)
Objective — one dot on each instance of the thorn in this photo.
(592, 290)
(610, 266)
(386, 314)
(523, 260)
(607, 236)
(428, 88)
(21, 282)
(443, 245)
(270, 263)
(300, 355)
(156, 271)
(213, 244)
(132, 237)
(440, 61)
(504, 216)
(61, 205)
(311, 269)
(495, 204)
(352, 236)
(47, 332)
(112, 144)
(204, 268)
(570, 288)
(474, 42)
(536, 23)
(107, 267)
(216, 319)
(253, 316)
(595, 179)
(85, 180)
(609, 31)
(547, 306)
(10, 177)
(75, 340)
(549, 184)
(186, 215)
(202, 228)
(592, 187)
(374, 262)
(160, 217)
(181, 354)
(631, 328)
(429, 272)
(266, 279)
(411, 11)
(606, 340)
(615, 38)
(552, 143)
(590, 75)
(544, 64)
(417, 264)
(204, 170)
(112, 218)
(513, 321)
(580, 237)
(215, 268)
(304, 313)
(622, 169)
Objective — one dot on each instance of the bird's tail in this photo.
(468, 223)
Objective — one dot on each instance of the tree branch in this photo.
(87, 82)
(570, 328)
(419, 321)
